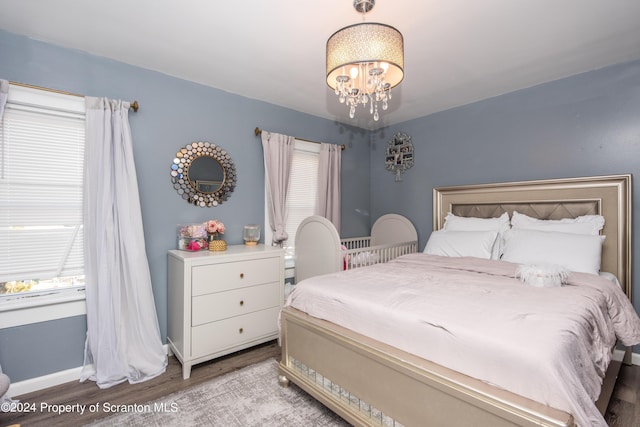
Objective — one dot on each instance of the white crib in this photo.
(319, 249)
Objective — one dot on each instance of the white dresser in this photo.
(221, 302)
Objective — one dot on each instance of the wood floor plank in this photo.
(623, 411)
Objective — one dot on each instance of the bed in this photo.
(368, 382)
(320, 250)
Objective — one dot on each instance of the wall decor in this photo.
(399, 154)
(203, 174)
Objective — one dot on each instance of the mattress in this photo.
(471, 315)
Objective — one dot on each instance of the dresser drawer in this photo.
(206, 279)
(221, 305)
(217, 336)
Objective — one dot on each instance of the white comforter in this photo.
(471, 315)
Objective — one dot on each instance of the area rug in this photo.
(247, 397)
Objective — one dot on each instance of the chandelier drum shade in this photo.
(364, 61)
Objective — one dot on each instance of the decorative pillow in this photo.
(460, 223)
(585, 224)
(575, 252)
(477, 244)
(542, 276)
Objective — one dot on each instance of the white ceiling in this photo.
(456, 51)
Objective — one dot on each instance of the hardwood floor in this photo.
(624, 407)
(623, 411)
(88, 393)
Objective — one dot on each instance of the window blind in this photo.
(41, 181)
(303, 182)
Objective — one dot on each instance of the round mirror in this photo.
(203, 174)
(206, 174)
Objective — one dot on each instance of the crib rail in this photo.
(356, 242)
(320, 250)
(363, 256)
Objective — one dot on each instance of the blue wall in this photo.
(172, 113)
(584, 125)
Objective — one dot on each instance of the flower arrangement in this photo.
(214, 227)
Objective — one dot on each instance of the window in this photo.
(41, 184)
(301, 198)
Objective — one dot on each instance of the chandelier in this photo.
(364, 61)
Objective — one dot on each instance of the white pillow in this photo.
(460, 223)
(463, 223)
(575, 252)
(477, 244)
(585, 224)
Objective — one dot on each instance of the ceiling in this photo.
(456, 51)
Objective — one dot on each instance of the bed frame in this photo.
(319, 246)
(369, 383)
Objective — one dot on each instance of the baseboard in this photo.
(45, 381)
(61, 377)
(51, 380)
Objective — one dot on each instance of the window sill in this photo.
(42, 308)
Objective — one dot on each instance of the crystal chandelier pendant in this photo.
(373, 55)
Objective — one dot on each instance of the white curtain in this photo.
(123, 338)
(278, 153)
(328, 192)
(4, 94)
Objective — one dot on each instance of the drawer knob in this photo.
(241, 303)
(241, 330)
(242, 275)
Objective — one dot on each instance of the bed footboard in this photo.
(369, 383)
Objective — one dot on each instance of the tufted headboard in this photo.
(609, 196)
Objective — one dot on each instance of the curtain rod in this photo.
(133, 105)
(258, 131)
